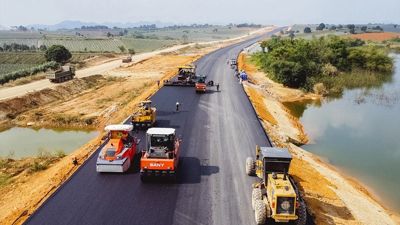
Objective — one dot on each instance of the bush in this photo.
(319, 89)
(59, 153)
(396, 39)
(43, 154)
(38, 166)
(5, 180)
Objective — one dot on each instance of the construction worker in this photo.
(177, 106)
(217, 86)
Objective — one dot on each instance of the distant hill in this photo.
(63, 25)
(78, 24)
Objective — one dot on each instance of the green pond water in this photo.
(358, 132)
(19, 142)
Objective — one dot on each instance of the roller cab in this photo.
(161, 157)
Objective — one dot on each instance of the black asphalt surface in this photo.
(219, 131)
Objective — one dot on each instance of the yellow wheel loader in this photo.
(145, 117)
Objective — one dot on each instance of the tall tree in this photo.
(57, 53)
(321, 26)
(364, 28)
(350, 26)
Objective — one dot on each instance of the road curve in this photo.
(219, 130)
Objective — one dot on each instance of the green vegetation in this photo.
(328, 60)
(57, 53)
(146, 45)
(5, 78)
(60, 153)
(43, 159)
(5, 180)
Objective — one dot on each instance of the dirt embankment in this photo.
(331, 198)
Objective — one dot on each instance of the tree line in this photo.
(303, 63)
(21, 47)
(249, 25)
(352, 28)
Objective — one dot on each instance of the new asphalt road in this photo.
(219, 131)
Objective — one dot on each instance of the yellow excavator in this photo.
(145, 117)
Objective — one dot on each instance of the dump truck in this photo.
(62, 74)
(160, 160)
(145, 116)
(186, 77)
(200, 84)
(126, 59)
(117, 154)
(276, 194)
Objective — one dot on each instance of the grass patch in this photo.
(38, 165)
(59, 153)
(356, 79)
(111, 78)
(43, 160)
(5, 180)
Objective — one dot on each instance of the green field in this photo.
(97, 41)
(94, 42)
(202, 34)
(11, 61)
(146, 45)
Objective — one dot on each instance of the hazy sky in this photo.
(276, 12)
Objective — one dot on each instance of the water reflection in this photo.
(358, 132)
(21, 142)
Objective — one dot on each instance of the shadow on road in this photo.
(191, 170)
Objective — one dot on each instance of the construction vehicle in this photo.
(232, 63)
(63, 74)
(200, 84)
(160, 160)
(145, 116)
(276, 194)
(126, 59)
(117, 154)
(186, 77)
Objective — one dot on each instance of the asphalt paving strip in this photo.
(219, 131)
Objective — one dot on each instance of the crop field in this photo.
(110, 45)
(203, 34)
(19, 35)
(11, 61)
(97, 45)
(146, 45)
(95, 42)
(22, 58)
